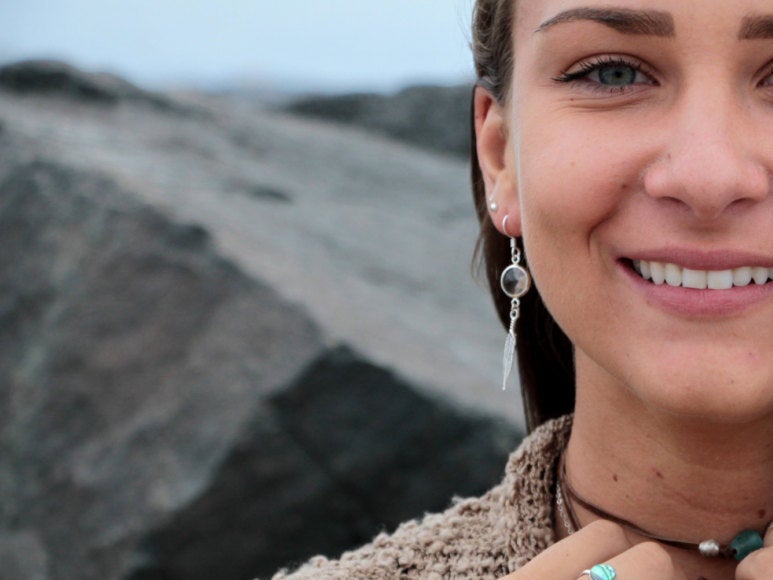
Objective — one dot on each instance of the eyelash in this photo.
(769, 75)
(590, 66)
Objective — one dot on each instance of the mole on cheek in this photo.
(658, 474)
(761, 514)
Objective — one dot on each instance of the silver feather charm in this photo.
(507, 361)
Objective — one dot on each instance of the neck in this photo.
(685, 479)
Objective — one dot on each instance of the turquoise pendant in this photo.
(745, 543)
(602, 572)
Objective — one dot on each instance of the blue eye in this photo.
(616, 75)
(607, 73)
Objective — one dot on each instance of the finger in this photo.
(756, 566)
(646, 561)
(759, 564)
(596, 542)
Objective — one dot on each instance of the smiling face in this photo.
(639, 140)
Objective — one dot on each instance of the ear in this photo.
(496, 161)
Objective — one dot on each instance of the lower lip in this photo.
(699, 303)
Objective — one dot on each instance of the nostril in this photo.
(708, 177)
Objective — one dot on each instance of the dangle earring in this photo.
(515, 282)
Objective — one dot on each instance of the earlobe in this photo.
(495, 161)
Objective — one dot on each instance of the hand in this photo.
(604, 542)
(758, 565)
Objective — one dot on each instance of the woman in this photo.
(628, 147)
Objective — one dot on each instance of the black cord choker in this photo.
(741, 546)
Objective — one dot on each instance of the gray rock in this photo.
(22, 556)
(56, 77)
(347, 450)
(174, 291)
(132, 358)
(428, 116)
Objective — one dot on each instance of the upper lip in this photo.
(692, 259)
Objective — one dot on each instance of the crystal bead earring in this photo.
(515, 282)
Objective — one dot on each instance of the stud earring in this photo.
(493, 206)
(515, 282)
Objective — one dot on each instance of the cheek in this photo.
(575, 174)
(577, 169)
(576, 182)
(569, 187)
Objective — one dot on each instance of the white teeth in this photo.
(760, 275)
(644, 270)
(720, 280)
(658, 271)
(742, 276)
(673, 275)
(697, 279)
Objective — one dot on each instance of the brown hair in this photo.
(545, 357)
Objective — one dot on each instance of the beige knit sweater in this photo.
(485, 537)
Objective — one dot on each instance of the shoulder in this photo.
(483, 537)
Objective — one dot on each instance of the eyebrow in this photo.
(756, 27)
(649, 22)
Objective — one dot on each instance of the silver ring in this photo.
(600, 572)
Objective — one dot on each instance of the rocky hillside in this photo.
(435, 118)
(229, 338)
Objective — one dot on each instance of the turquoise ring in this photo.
(601, 572)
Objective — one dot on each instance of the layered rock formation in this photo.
(229, 339)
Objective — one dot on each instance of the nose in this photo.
(712, 158)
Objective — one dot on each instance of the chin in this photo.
(718, 398)
(715, 375)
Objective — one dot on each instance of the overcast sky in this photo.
(298, 44)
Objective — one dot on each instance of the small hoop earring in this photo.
(504, 226)
(515, 282)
